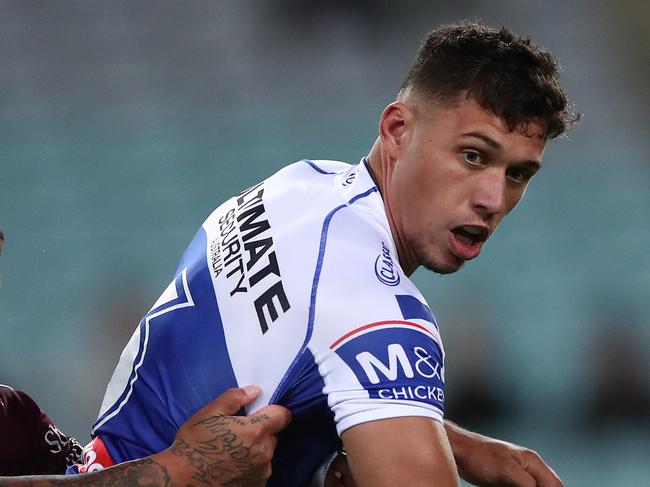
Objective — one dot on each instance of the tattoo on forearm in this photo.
(223, 457)
(145, 472)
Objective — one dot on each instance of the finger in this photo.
(342, 471)
(266, 446)
(263, 451)
(542, 473)
(273, 442)
(273, 418)
(232, 401)
(267, 471)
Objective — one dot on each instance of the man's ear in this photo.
(395, 127)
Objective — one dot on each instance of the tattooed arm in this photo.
(148, 471)
(211, 449)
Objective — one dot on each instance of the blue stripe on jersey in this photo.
(412, 308)
(314, 289)
(318, 169)
(176, 377)
(311, 436)
(362, 195)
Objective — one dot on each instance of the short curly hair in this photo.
(505, 73)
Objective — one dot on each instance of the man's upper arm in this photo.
(381, 358)
(411, 451)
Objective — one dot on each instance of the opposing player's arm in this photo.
(151, 471)
(490, 462)
(211, 448)
(411, 451)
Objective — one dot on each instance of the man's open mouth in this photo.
(470, 234)
(466, 240)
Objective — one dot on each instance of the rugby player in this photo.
(301, 282)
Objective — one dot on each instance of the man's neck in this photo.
(380, 167)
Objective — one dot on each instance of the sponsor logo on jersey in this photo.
(244, 250)
(385, 269)
(397, 360)
(349, 178)
(55, 439)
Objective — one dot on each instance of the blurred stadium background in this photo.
(123, 124)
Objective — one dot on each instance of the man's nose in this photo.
(489, 197)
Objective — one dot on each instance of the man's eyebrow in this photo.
(536, 165)
(495, 145)
(488, 140)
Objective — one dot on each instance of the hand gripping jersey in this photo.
(293, 285)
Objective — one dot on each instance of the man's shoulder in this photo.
(17, 404)
(312, 168)
(357, 239)
(324, 166)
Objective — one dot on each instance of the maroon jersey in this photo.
(30, 443)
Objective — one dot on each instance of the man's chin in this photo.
(440, 261)
(443, 268)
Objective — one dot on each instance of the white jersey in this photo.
(293, 285)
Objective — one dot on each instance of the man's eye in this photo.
(472, 157)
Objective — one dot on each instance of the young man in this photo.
(301, 283)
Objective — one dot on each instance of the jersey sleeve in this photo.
(375, 340)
